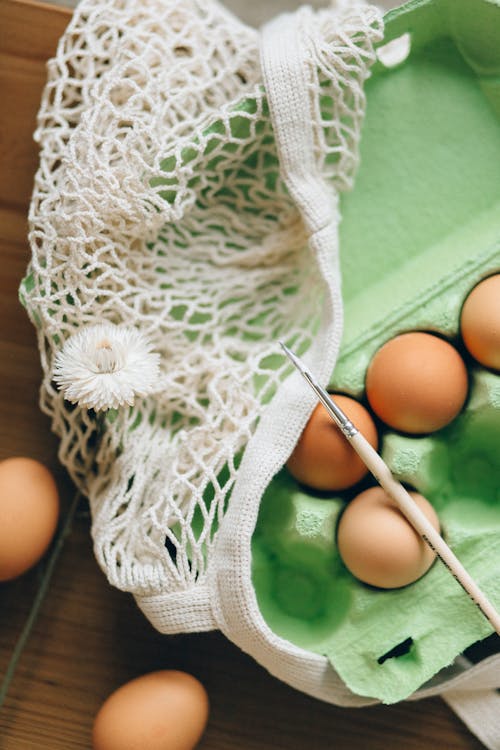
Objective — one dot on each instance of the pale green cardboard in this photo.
(419, 230)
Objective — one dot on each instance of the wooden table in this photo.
(89, 638)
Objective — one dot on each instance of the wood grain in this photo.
(28, 37)
(89, 638)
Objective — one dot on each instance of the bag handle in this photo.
(480, 712)
(287, 86)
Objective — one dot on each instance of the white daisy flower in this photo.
(106, 366)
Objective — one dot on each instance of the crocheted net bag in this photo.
(187, 200)
(159, 205)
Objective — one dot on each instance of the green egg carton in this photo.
(420, 229)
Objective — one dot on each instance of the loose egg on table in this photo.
(378, 545)
(480, 322)
(323, 459)
(417, 383)
(163, 710)
(29, 511)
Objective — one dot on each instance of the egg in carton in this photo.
(419, 232)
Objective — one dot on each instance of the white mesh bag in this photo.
(184, 219)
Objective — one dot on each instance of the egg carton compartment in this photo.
(297, 571)
(420, 229)
(387, 643)
(461, 462)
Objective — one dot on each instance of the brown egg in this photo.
(29, 511)
(378, 545)
(164, 710)
(323, 458)
(417, 383)
(480, 322)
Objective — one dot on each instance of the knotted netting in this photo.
(160, 205)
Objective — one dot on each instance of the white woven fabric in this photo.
(159, 205)
(188, 189)
(480, 711)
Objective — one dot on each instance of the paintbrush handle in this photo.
(420, 523)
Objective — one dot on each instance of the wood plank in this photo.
(21, 82)
(24, 430)
(31, 29)
(29, 33)
(14, 227)
(91, 638)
